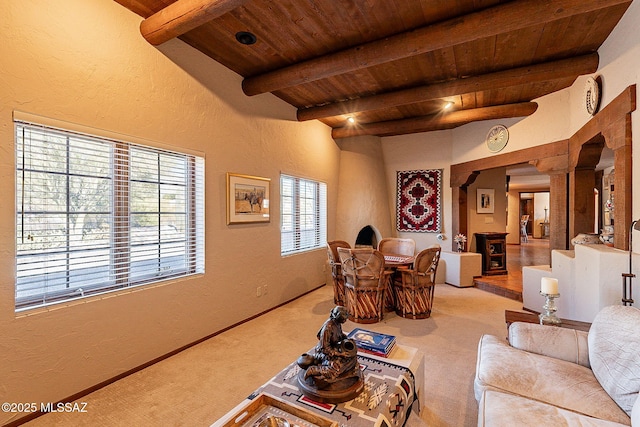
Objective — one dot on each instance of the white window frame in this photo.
(303, 214)
(57, 262)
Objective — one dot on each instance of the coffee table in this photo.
(393, 390)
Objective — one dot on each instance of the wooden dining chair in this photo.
(394, 246)
(336, 269)
(363, 271)
(397, 246)
(414, 287)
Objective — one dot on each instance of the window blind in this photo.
(95, 215)
(303, 214)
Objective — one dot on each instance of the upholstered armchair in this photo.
(363, 271)
(336, 269)
(414, 287)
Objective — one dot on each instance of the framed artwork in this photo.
(419, 199)
(485, 202)
(247, 199)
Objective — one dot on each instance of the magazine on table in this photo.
(376, 353)
(373, 342)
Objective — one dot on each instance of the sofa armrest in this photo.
(560, 343)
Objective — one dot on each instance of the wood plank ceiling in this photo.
(393, 65)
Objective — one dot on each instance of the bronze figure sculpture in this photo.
(332, 374)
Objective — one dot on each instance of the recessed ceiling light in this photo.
(448, 105)
(351, 120)
(246, 37)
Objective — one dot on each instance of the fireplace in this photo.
(367, 238)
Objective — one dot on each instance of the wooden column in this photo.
(622, 193)
(617, 136)
(558, 235)
(459, 218)
(581, 201)
(460, 181)
(583, 159)
(556, 167)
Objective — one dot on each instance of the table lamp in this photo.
(627, 278)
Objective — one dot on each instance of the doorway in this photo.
(526, 211)
(535, 206)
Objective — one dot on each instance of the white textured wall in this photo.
(487, 222)
(85, 62)
(589, 279)
(420, 151)
(362, 198)
(540, 202)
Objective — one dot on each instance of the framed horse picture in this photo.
(247, 199)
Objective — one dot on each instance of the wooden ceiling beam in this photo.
(507, 17)
(183, 16)
(461, 172)
(436, 121)
(551, 165)
(565, 68)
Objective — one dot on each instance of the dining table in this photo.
(397, 260)
(391, 264)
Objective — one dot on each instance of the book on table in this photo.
(373, 342)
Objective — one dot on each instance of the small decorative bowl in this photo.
(607, 238)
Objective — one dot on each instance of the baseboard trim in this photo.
(76, 396)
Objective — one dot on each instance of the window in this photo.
(95, 215)
(303, 214)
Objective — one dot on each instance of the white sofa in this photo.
(549, 376)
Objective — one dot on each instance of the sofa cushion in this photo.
(557, 382)
(561, 343)
(614, 353)
(498, 409)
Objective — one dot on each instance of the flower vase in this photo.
(460, 246)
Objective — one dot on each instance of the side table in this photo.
(461, 268)
(511, 316)
(493, 247)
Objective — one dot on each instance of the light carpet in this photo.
(202, 383)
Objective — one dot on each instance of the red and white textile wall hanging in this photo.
(419, 201)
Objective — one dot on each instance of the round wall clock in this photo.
(592, 95)
(497, 138)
